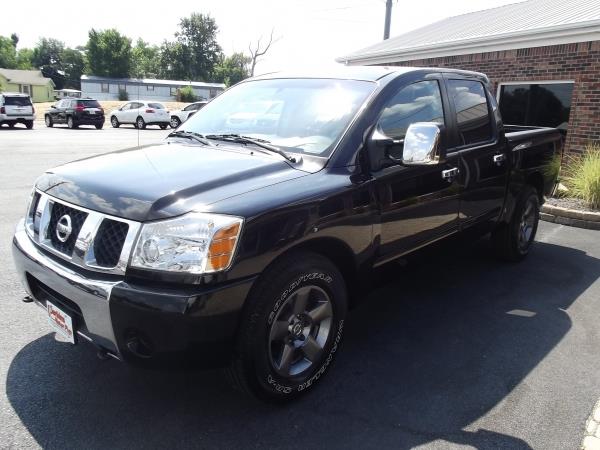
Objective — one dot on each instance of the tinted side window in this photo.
(472, 112)
(418, 102)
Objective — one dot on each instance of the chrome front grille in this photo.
(85, 238)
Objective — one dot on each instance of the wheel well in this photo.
(340, 255)
(537, 181)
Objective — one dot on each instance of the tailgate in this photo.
(18, 106)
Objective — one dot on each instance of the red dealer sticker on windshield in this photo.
(61, 322)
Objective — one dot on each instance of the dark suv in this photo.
(75, 112)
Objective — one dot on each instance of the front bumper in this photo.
(134, 319)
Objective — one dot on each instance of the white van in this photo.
(16, 108)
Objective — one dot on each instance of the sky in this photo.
(307, 33)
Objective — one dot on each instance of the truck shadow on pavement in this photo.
(433, 348)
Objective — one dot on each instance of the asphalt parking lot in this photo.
(455, 350)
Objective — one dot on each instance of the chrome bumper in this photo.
(90, 295)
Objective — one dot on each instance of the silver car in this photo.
(16, 108)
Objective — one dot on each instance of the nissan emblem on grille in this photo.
(63, 228)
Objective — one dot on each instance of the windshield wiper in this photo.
(249, 140)
(189, 135)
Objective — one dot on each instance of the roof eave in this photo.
(590, 31)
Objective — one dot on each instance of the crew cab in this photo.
(16, 108)
(247, 248)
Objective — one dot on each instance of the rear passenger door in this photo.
(481, 149)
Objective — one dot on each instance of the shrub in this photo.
(552, 168)
(582, 175)
(186, 94)
(123, 95)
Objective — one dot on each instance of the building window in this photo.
(542, 104)
(104, 88)
(472, 111)
(174, 92)
(150, 87)
(26, 89)
(123, 88)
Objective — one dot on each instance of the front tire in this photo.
(99, 126)
(29, 124)
(175, 122)
(513, 241)
(291, 328)
(48, 121)
(71, 123)
(114, 122)
(140, 123)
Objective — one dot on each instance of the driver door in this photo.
(418, 204)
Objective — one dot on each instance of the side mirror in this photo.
(422, 144)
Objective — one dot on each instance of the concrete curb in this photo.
(572, 217)
(591, 440)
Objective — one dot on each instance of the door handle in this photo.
(449, 174)
(499, 159)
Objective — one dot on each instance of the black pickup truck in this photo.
(246, 235)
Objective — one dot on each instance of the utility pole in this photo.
(388, 18)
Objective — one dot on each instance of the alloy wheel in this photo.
(527, 224)
(300, 331)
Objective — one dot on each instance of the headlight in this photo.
(193, 243)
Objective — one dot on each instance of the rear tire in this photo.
(175, 122)
(140, 123)
(163, 127)
(48, 121)
(29, 124)
(99, 127)
(114, 122)
(512, 241)
(291, 328)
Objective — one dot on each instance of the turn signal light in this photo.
(221, 247)
(2, 110)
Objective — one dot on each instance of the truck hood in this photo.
(164, 180)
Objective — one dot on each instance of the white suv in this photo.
(16, 108)
(141, 113)
(181, 115)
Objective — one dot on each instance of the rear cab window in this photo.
(473, 117)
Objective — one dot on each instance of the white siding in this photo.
(92, 88)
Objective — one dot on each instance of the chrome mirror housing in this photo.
(421, 144)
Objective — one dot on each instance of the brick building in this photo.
(542, 57)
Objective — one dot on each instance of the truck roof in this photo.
(363, 73)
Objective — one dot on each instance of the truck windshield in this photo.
(297, 115)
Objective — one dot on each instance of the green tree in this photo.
(47, 56)
(173, 61)
(8, 57)
(201, 51)
(73, 65)
(232, 69)
(145, 60)
(108, 53)
(48, 52)
(15, 39)
(24, 59)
